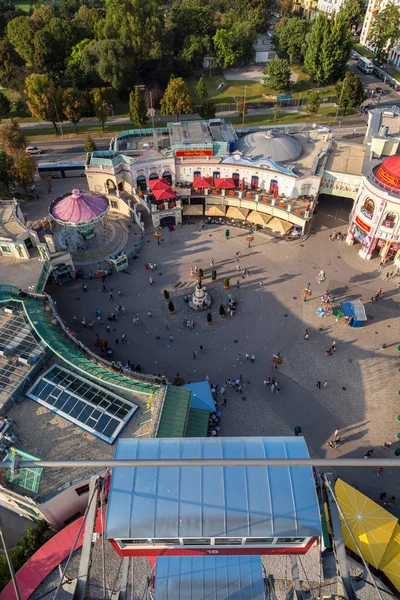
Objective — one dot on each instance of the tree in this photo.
(101, 106)
(112, 60)
(12, 138)
(73, 106)
(5, 105)
(242, 108)
(90, 146)
(289, 38)
(176, 99)
(137, 108)
(191, 24)
(350, 92)
(207, 110)
(277, 75)
(21, 33)
(353, 10)
(10, 64)
(313, 57)
(385, 31)
(201, 89)
(276, 109)
(4, 171)
(336, 48)
(235, 45)
(44, 100)
(23, 169)
(313, 102)
(285, 7)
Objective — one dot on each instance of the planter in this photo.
(221, 316)
(226, 287)
(171, 312)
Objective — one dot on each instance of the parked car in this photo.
(33, 150)
(379, 90)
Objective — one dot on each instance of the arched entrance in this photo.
(167, 175)
(216, 175)
(236, 179)
(154, 176)
(141, 183)
(167, 221)
(110, 185)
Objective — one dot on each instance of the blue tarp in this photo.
(355, 309)
(201, 396)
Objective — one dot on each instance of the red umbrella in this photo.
(243, 185)
(164, 194)
(202, 182)
(224, 184)
(158, 184)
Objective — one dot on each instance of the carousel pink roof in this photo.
(79, 208)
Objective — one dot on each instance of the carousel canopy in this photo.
(164, 194)
(224, 184)
(258, 218)
(215, 211)
(280, 226)
(237, 213)
(202, 182)
(158, 184)
(79, 208)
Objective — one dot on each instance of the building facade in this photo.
(373, 8)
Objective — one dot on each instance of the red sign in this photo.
(193, 153)
(363, 225)
(387, 177)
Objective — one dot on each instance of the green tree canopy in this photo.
(207, 109)
(201, 89)
(90, 146)
(328, 48)
(313, 60)
(385, 31)
(21, 33)
(86, 20)
(73, 105)
(289, 38)
(137, 108)
(350, 92)
(277, 75)
(100, 105)
(5, 105)
(235, 45)
(111, 60)
(191, 24)
(12, 137)
(44, 100)
(10, 64)
(176, 99)
(23, 168)
(353, 10)
(313, 102)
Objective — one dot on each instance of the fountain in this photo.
(200, 299)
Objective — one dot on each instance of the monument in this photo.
(200, 299)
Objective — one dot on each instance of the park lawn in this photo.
(231, 90)
(24, 5)
(363, 51)
(47, 133)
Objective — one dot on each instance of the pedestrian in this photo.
(212, 262)
(379, 472)
(117, 341)
(325, 384)
(225, 401)
(252, 358)
(260, 284)
(75, 319)
(272, 388)
(387, 445)
(237, 383)
(104, 288)
(84, 322)
(108, 328)
(194, 355)
(123, 310)
(201, 347)
(120, 292)
(306, 335)
(333, 346)
(378, 293)
(247, 356)
(336, 433)
(386, 276)
(84, 287)
(151, 281)
(171, 338)
(123, 338)
(265, 382)
(329, 352)
(111, 297)
(382, 496)
(166, 325)
(229, 383)
(196, 269)
(239, 389)
(90, 324)
(149, 313)
(151, 266)
(238, 255)
(238, 284)
(240, 357)
(319, 384)
(393, 500)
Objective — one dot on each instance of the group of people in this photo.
(331, 349)
(337, 235)
(273, 385)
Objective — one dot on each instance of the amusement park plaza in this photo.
(207, 293)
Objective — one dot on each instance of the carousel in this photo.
(80, 213)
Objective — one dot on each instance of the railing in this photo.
(388, 188)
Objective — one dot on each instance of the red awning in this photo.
(225, 184)
(164, 194)
(202, 182)
(158, 184)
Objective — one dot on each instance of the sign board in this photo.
(363, 225)
(183, 153)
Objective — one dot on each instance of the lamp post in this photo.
(307, 292)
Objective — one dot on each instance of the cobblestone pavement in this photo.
(361, 395)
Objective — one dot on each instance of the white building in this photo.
(329, 6)
(373, 8)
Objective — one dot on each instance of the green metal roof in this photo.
(197, 423)
(175, 412)
(27, 478)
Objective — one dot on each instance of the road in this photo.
(371, 82)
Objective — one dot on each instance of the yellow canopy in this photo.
(280, 226)
(237, 213)
(258, 218)
(390, 563)
(371, 525)
(193, 209)
(216, 210)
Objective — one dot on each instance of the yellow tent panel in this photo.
(216, 210)
(237, 213)
(371, 525)
(193, 209)
(390, 563)
(258, 218)
(280, 226)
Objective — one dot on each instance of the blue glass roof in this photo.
(173, 502)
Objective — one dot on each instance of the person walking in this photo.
(104, 288)
(194, 355)
(325, 384)
(166, 325)
(151, 281)
(237, 255)
(111, 297)
(201, 347)
(117, 341)
(123, 338)
(225, 401)
(240, 358)
(149, 313)
(171, 338)
(333, 346)
(379, 472)
(108, 328)
(212, 262)
(84, 287)
(382, 496)
(252, 358)
(306, 335)
(247, 356)
(319, 384)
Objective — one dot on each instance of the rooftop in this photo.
(279, 147)
(189, 132)
(10, 226)
(345, 158)
(212, 501)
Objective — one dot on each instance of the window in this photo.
(250, 541)
(228, 541)
(290, 540)
(133, 542)
(197, 542)
(164, 541)
(368, 208)
(5, 249)
(84, 489)
(390, 219)
(114, 204)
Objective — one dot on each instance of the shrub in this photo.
(209, 318)
(214, 275)
(178, 381)
(166, 294)
(171, 306)
(201, 273)
(221, 310)
(226, 282)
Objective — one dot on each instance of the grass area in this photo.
(25, 5)
(363, 51)
(393, 72)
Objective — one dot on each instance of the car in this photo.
(33, 150)
(379, 90)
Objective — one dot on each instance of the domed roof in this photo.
(79, 207)
(279, 147)
(388, 172)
